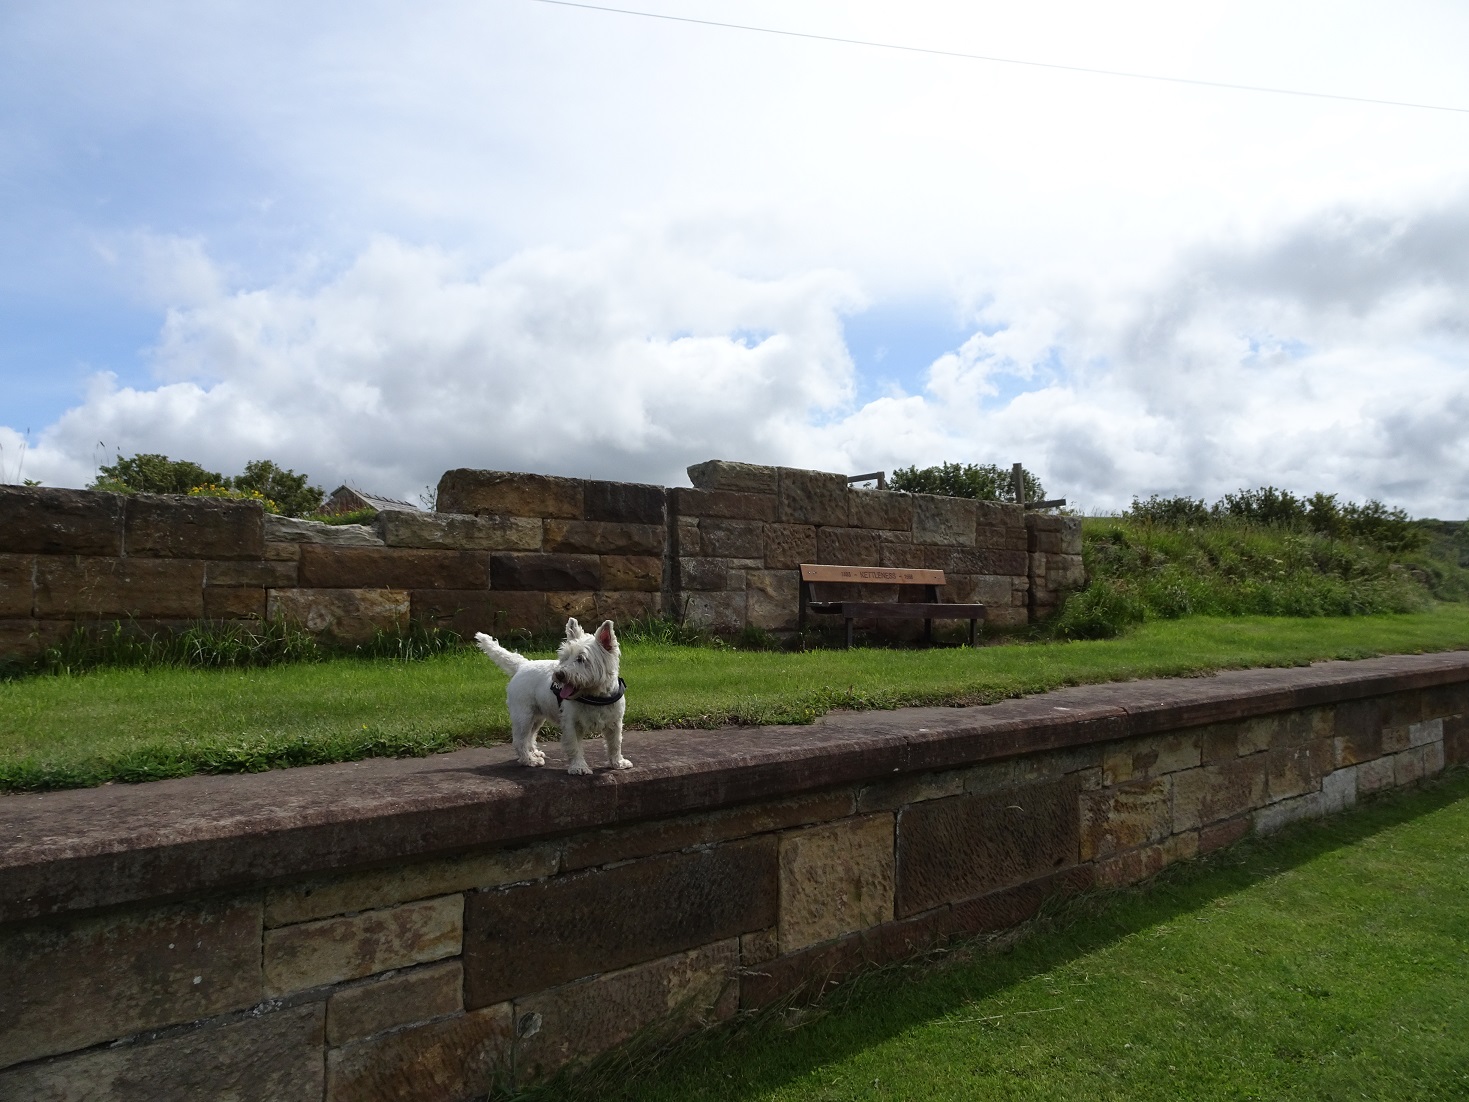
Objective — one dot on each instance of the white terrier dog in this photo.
(580, 692)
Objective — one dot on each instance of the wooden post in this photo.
(1017, 473)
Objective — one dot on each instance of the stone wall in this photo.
(425, 928)
(510, 550)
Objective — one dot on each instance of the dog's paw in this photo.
(579, 769)
(622, 763)
(535, 757)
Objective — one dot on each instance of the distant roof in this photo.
(358, 499)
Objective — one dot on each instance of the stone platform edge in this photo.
(82, 850)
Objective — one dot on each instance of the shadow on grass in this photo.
(758, 1053)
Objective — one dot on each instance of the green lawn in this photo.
(141, 724)
(1329, 962)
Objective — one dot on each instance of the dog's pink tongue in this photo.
(565, 692)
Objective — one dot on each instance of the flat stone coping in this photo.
(79, 850)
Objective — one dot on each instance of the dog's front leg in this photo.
(572, 747)
(614, 747)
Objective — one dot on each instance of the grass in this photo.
(1328, 962)
(136, 724)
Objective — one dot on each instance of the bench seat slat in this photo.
(905, 610)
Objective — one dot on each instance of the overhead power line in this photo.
(1005, 60)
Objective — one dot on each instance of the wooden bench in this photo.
(928, 610)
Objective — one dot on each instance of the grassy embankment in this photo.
(1328, 962)
(134, 724)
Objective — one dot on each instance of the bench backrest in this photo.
(869, 575)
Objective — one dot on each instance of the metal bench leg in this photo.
(972, 623)
(928, 631)
(849, 633)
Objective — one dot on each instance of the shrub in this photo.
(149, 473)
(987, 482)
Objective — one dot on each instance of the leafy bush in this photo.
(987, 482)
(295, 496)
(209, 489)
(149, 473)
(364, 515)
(278, 489)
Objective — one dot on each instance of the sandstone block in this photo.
(1425, 731)
(1006, 617)
(28, 638)
(344, 615)
(545, 572)
(595, 921)
(1033, 769)
(456, 532)
(626, 503)
(1456, 740)
(1374, 775)
(193, 527)
(16, 585)
(623, 607)
(1407, 767)
(667, 835)
(847, 547)
(1213, 792)
(911, 789)
(812, 497)
(401, 998)
(772, 599)
(787, 546)
(1151, 756)
(275, 1057)
(835, 879)
(687, 539)
(947, 521)
(1124, 816)
(1218, 835)
(710, 574)
(1011, 906)
(903, 553)
(282, 552)
(293, 530)
(1291, 771)
(457, 1058)
(969, 845)
(1065, 572)
(1338, 790)
(1000, 514)
(1433, 759)
(1271, 818)
(371, 889)
(1071, 536)
(1047, 542)
(1395, 739)
(94, 588)
(470, 610)
(978, 560)
(596, 537)
(717, 612)
(723, 503)
(632, 573)
(332, 950)
(45, 521)
(70, 984)
(263, 574)
(510, 493)
(391, 568)
(1000, 539)
(568, 603)
(880, 509)
(744, 478)
(736, 539)
(1404, 709)
(758, 947)
(234, 603)
(675, 994)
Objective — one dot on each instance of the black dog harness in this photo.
(565, 692)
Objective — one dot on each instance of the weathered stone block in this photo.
(1032, 769)
(282, 552)
(1139, 864)
(1358, 744)
(880, 509)
(1000, 514)
(1374, 775)
(736, 539)
(787, 546)
(1047, 542)
(1151, 756)
(16, 585)
(263, 574)
(1433, 759)
(969, 845)
(470, 610)
(510, 493)
(667, 835)
(292, 530)
(676, 993)
(1123, 816)
(948, 521)
(622, 607)
(759, 947)
(193, 527)
(847, 547)
(835, 879)
(1338, 790)
(70, 984)
(332, 950)
(1011, 906)
(911, 789)
(1407, 766)
(772, 599)
(456, 532)
(903, 553)
(812, 497)
(1456, 740)
(457, 1058)
(1290, 771)
(977, 560)
(626, 503)
(1272, 818)
(1001, 539)
(709, 574)
(1006, 617)
(562, 605)
(28, 638)
(597, 537)
(345, 615)
(595, 921)
(1425, 731)
(1065, 572)
(1218, 835)
(45, 521)
(723, 503)
(545, 572)
(274, 1057)
(391, 568)
(687, 539)
(398, 999)
(1214, 792)
(744, 478)
(234, 603)
(87, 587)
(1395, 739)
(371, 889)
(632, 573)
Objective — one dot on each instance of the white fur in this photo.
(587, 663)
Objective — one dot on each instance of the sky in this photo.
(377, 241)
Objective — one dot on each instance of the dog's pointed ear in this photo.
(606, 636)
(573, 629)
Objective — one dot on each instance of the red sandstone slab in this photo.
(80, 850)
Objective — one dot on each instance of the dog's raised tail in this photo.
(507, 660)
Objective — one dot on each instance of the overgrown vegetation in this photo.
(280, 490)
(986, 482)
